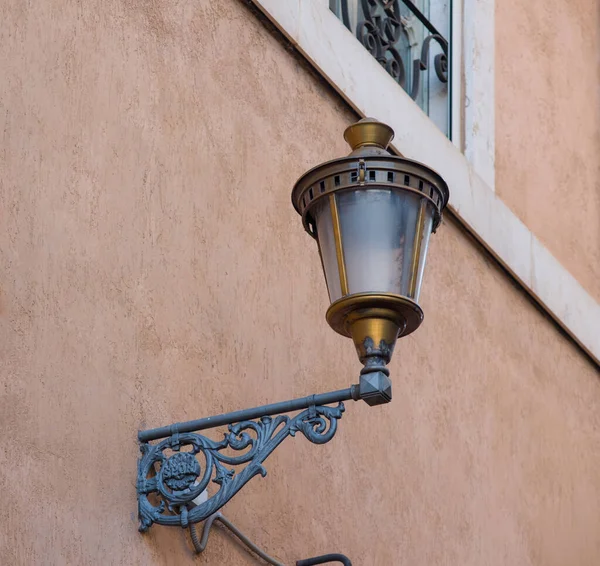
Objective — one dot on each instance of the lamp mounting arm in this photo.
(175, 471)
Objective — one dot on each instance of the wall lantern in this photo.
(372, 214)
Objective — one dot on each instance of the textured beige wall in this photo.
(152, 269)
(548, 126)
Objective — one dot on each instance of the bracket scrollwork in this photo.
(176, 470)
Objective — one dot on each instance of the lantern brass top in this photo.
(370, 165)
(368, 132)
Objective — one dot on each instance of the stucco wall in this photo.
(548, 126)
(152, 270)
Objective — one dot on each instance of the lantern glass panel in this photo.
(427, 227)
(326, 238)
(378, 231)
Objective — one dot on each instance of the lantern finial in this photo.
(369, 132)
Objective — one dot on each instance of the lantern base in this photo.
(374, 322)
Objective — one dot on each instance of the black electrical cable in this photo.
(324, 559)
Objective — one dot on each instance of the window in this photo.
(411, 41)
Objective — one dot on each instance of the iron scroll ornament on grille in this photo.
(440, 63)
(380, 32)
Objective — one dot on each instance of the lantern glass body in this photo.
(383, 236)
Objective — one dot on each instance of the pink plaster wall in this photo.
(152, 270)
(548, 126)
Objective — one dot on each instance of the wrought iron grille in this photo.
(410, 40)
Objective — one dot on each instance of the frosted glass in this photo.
(378, 232)
(428, 225)
(322, 216)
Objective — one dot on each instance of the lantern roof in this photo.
(369, 165)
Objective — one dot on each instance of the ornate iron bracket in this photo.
(176, 470)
